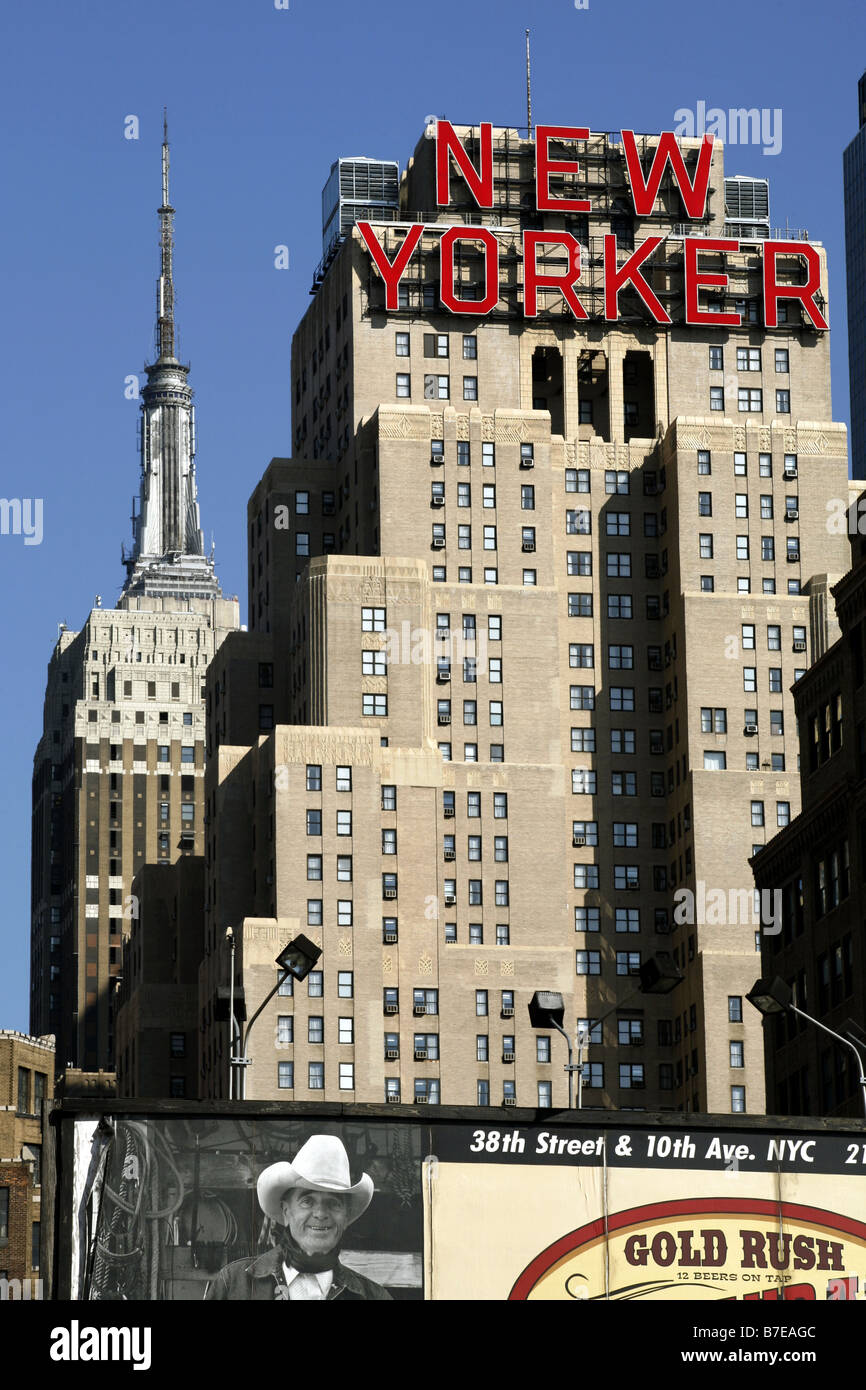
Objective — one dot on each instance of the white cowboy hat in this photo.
(321, 1165)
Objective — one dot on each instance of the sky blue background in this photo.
(261, 101)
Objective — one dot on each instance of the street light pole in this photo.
(774, 996)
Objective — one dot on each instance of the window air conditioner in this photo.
(750, 729)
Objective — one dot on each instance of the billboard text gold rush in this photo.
(644, 190)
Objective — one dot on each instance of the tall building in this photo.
(118, 772)
(854, 172)
(26, 1082)
(818, 866)
(514, 707)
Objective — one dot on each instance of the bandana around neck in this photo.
(304, 1263)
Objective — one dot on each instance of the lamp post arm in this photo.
(559, 1028)
(846, 1042)
(263, 1005)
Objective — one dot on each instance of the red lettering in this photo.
(773, 291)
(391, 272)
(644, 194)
(532, 278)
(753, 1250)
(804, 1252)
(491, 271)
(479, 182)
(694, 278)
(629, 273)
(545, 166)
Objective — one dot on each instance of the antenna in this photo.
(165, 284)
(528, 90)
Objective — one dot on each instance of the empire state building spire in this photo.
(167, 558)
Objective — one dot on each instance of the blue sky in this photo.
(261, 101)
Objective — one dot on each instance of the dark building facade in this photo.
(819, 863)
(854, 167)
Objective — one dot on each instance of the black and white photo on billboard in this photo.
(261, 1209)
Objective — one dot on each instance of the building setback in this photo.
(525, 611)
(118, 772)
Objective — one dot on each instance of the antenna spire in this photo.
(528, 89)
(165, 283)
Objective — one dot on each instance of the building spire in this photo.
(167, 557)
(165, 283)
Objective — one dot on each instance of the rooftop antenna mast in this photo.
(528, 90)
(165, 284)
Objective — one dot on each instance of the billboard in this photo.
(238, 1205)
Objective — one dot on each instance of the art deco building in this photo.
(525, 610)
(118, 772)
(818, 866)
(854, 169)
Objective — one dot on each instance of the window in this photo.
(503, 935)
(470, 388)
(425, 1001)
(583, 740)
(286, 1076)
(344, 779)
(757, 813)
(580, 606)
(706, 545)
(628, 962)
(717, 359)
(588, 962)
(717, 398)
(314, 912)
(622, 697)
(314, 778)
(489, 537)
(372, 620)
(735, 1008)
(704, 462)
(285, 1029)
(578, 523)
(401, 347)
(748, 359)
(389, 841)
(374, 704)
(464, 495)
(488, 455)
(740, 465)
(705, 504)
(389, 798)
(316, 1076)
(500, 805)
(750, 680)
(286, 989)
(736, 1054)
(470, 346)
(314, 867)
(631, 1076)
(742, 547)
(748, 636)
(344, 822)
(783, 813)
(374, 663)
(618, 524)
(347, 1076)
(783, 402)
(619, 565)
(315, 1029)
(738, 1100)
(750, 398)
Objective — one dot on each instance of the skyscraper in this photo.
(854, 170)
(118, 772)
(525, 610)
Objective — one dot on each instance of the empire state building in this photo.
(118, 772)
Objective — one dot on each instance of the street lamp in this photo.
(773, 996)
(296, 959)
(659, 974)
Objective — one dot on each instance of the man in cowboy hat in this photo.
(315, 1200)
